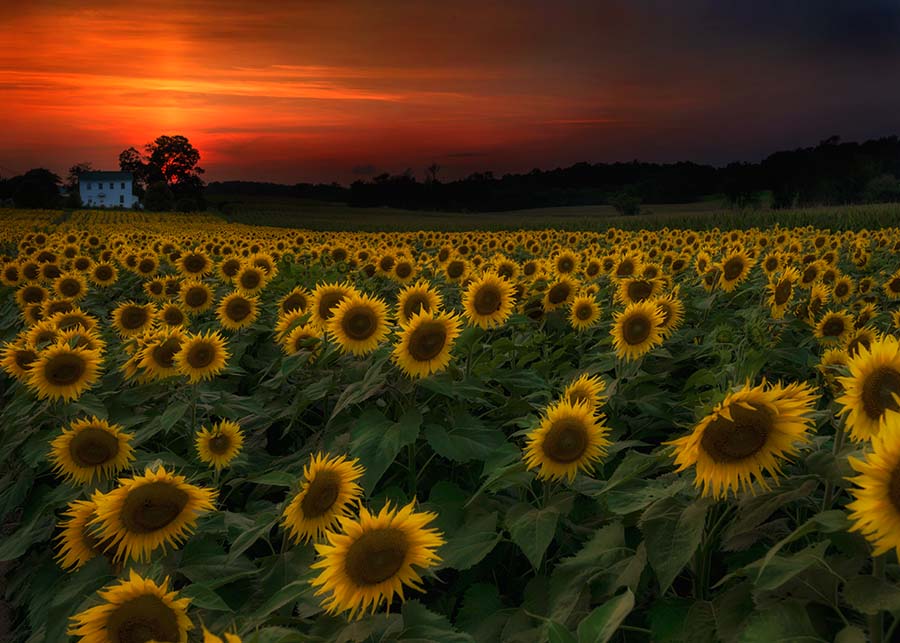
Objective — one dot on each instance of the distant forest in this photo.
(831, 173)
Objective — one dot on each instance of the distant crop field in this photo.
(283, 435)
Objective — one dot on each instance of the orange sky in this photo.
(333, 90)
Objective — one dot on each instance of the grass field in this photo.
(320, 215)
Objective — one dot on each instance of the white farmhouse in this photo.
(106, 189)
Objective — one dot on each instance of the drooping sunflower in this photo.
(136, 610)
(586, 389)
(584, 312)
(130, 319)
(77, 542)
(328, 493)
(375, 558)
(90, 448)
(64, 372)
(419, 297)
(359, 324)
(891, 287)
(202, 356)
(219, 445)
(570, 437)
(875, 510)
(196, 297)
(735, 268)
(672, 310)
(17, 359)
(745, 435)
(637, 329)
(860, 338)
(488, 301)
(426, 342)
(237, 311)
(325, 299)
(781, 291)
(145, 512)
(872, 388)
(835, 327)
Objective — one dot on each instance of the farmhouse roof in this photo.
(106, 176)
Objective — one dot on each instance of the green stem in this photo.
(829, 486)
(411, 457)
(876, 621)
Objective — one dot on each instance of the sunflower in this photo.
(637, 329)
(488, 301)
(237, 311)
(11, 274)
(250, 279)
(834, 327)
(570, 437)
(157, 355)
(306, 337)
(172, 315)
(565, 263)
(104, 274)
(130, 319)
(456, 270)
(77, 543)
(842, 289)
(584, 312)
(17, 359)
(195, 264)
(744, 435)
(297, 300)
(70, 286)
(196, 296)
(559, 293)
(872, 387)
(404, 271)
(145, 512)
(219, 445)
(586, 389)
(229, 268)
(136, 610)
(781, 290)
(891, 287)
(426, 342)
(90, 447)
(329, 492)
(831, 366)
(374, 559)
(63, 372)
(359, 324)
(31, 294)
(420, 297)
(325, 299)
(633, 289)
(735, 268)
(156, 289)
(202, 356)
(875, 510)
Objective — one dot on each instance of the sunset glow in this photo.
(321, 91)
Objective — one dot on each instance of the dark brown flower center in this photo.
(427, 341)
(294, 301)
(584, 311)
(238, 309)
(376, 556)
(142, 619)
(733, 268)
(359, 323)
(194, 263)
(220, 444)
(201, 354)
(321, 494)
(636, 329)
(64, 369)
(70, 287)
(639, 289)
(230, 267)
(33, 294)
(455, 269)
(565, 264)
(783, 292)
(196, 296)
(134, 317)
(878, 390)
(487, 299)
(403, 269)
(152, 506)
(416, 302)
(250, 279)
(566, 441)
(173, 316)
(146, 266)
(24, 358)
(745, 434)
(386, 263)
(92, 447)
(327, 303)
(558, 293)
(163, 354)
(833, 327)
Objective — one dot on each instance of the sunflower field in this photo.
(229, 433)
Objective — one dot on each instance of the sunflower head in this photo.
(219, 445)
(488, 301)
(375, 558)
(64, 372)
(196, 296)
(559, 293)
(359, 324)
(569, 438)
(420, 297)
(77, 542)
(637, 329)
(131, 319)
(329, 492)
(426, 342)
(90, 448)
(202, 356)
(325, 299)
(586, 389)
(872, 388)
(584, 312)
(238, 311)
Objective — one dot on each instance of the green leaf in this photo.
(290, 593)
(532, 529)
(556, 633)
(754, 510)
(249, 529)
(471, 543)
(203, 596)
(870, 595)
(778, 570)
(784, 623)
(275, 479)
(827, 522)
(850, 634)
(672, 533)
(376, 442)
(423, 624)
(600, 625)
(467, 438)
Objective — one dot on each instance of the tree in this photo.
(159, 198)
(882, 189)
(171, 160)
(75, 172)
(37, 188)
(130, 160)
(431, 173)
(627, 202)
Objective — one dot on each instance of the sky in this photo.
(339, 90)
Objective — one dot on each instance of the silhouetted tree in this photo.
(171, 160)
(37, 188)
(130, 160)
(159, 198)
